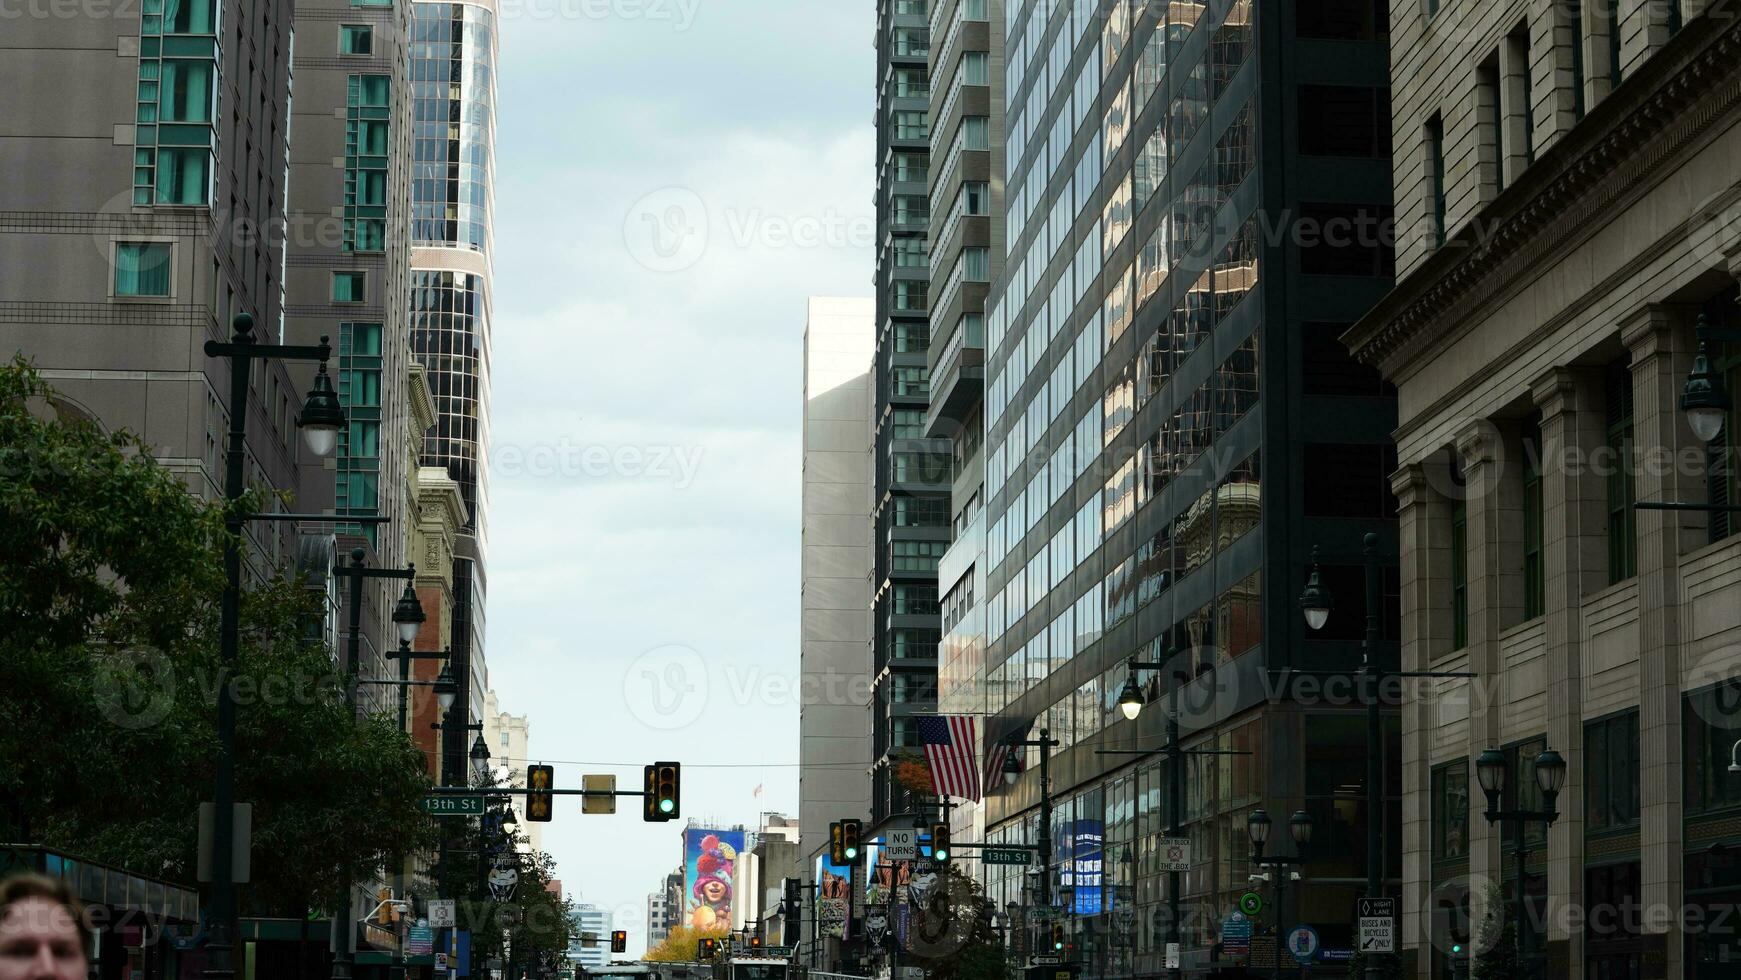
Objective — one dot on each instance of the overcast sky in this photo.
(673, 179)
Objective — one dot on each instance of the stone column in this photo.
(1553, 96)
(1424, 542)
(1661, 357)
(1493, 526)
(1515, 96)
(1644, 29)
(1574, 556)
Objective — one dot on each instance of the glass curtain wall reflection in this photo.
(1143, 390)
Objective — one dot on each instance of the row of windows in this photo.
(1711, 721)
(1620, 489)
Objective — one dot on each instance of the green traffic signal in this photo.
(666, 806)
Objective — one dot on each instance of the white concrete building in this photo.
(835, 622)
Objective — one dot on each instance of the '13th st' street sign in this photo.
(454, 806)
(1006, 855)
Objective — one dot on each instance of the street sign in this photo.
(454, 806)
(441, 961)
(1251, 903)
(1371, 907)
(419, 941)
(1377, 934)
(1172, 956)
(600, 803)
(1007, 855)
(901, 844)
(441, 912)
(1175, 853)
(1236, 935)
(1303, 943)
(1377, 925)
(1047, 960)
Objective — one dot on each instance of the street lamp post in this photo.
(320, 421)
(1550, 777)
(1316, 604)
(1257, 827)
(406, 618)
(1012, 769)
(1131, 701)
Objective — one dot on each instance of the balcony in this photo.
(958, 383)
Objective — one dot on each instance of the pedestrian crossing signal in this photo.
(540, 801)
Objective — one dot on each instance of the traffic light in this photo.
(540, 801)
(661, 794)
(940, 843)
(837, 844)
(619, 941)
(792, 900)
(1058, 937)
(670, 776)
(709, 947)
(755, 942)
(849, 841)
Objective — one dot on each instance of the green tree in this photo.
(1494, 940)
(950, 932)
(110, 576)
(679, 946)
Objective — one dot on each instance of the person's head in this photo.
(41, 930)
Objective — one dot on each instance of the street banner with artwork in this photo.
(709, 858)
(831, 898)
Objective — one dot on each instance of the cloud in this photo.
(760, 112)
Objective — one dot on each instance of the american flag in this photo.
(994, 757)
(999, 749)
(950, 750)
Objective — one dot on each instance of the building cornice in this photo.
(1644, 127)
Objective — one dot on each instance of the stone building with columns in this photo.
(1569, 206)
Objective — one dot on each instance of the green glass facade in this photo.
(177, 89)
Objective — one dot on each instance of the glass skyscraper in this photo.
(1198, 203)
(453, 83)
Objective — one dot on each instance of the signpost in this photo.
(1172, 956)
(1377, 925)
(1236, 935)
(441, 913)
(419, 941)
(454, 806)
(600, 794)
(901, 844)
(1007, 855)
(1303, 943)
(1251, 903)
(1175, 853)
